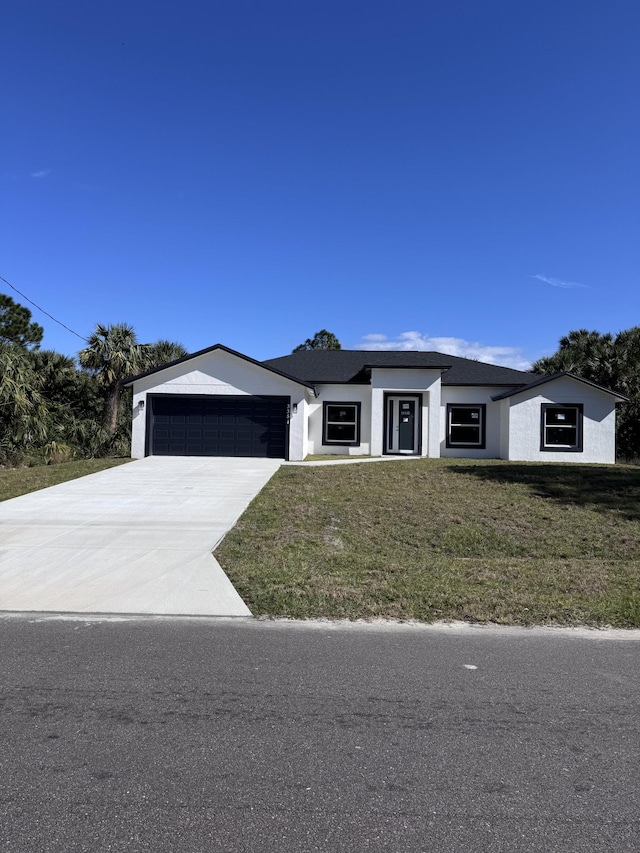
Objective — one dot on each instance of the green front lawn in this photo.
(505, 542)
(19, 481)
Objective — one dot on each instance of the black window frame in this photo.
(561, 448)
(325, 423)
(456, 445)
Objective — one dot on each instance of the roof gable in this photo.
(543, 380)
(222, 348)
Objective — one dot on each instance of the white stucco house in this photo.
(218, 402)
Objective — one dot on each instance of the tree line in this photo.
(54, 408)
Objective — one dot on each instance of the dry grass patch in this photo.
(443, 539)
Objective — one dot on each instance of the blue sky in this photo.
(459, 175)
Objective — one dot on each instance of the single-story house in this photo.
(218, 402)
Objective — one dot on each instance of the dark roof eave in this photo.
(341, 382)
(485, 384)
(408, 366)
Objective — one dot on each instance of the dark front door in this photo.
(219, 426)
(407, 426)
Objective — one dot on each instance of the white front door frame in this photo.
(402, 424)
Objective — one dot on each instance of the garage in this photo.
(185, 425)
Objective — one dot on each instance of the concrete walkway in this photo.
(132, 539)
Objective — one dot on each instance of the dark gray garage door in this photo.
(219, 426)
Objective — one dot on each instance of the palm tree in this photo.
(162, 352)
(585, 353)
(627, 361)
(627, 381)
(23, 412)
(112, 355)
(53, 367)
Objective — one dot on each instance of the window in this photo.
(465, 426)
(341, 423)
(561, 427)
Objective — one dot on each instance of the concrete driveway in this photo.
(133, 539)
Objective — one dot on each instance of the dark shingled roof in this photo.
(317, 366)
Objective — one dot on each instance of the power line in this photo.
(51, 317)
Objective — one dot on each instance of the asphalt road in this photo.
(204, 735)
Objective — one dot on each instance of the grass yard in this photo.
(19, 481)
(513, 543)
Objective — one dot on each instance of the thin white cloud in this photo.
(41, 173)
(505, 356)
(557, 282)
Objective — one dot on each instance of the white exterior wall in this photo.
(473, 395)
(504, 428)
(425, 382)
(217, 373)
(340, 393)
(598, 436)
(303, 426)
(371, 399)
